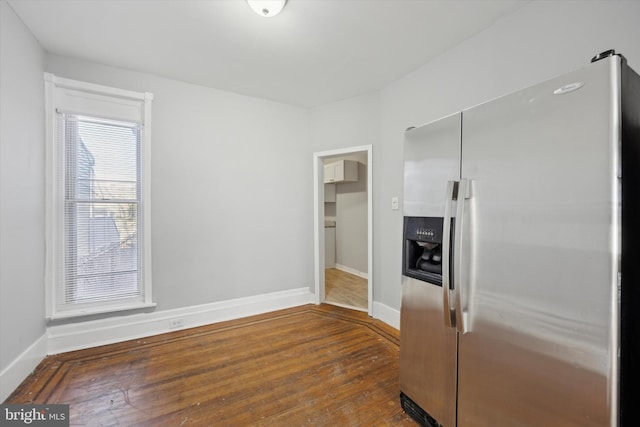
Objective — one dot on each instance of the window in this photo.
(98, 245)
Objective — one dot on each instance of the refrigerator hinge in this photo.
(608, 53)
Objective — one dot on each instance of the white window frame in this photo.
(90, 99)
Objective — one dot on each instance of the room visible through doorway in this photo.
(343, 228)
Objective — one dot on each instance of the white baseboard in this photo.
(352, 271)
(388, 315)
(78, 336)
(13, 375)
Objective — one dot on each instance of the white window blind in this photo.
(101, 184)
(97, 239)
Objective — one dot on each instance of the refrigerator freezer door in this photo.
(428, 351)
(541, 350)
(428, 348)
(431, 159)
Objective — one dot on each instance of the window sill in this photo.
(88, 311)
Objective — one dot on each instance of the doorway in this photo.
(364, 271)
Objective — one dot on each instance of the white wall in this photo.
(351, 219)
(349, 123)
(231, 202)
(21, 192)
(541, 40)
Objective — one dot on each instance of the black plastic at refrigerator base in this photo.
(416, 412)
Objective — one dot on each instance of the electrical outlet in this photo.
(176, 323)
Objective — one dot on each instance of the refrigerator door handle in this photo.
(461, 288)
(448, 310)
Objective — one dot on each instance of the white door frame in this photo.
(318, 219)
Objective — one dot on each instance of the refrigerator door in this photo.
(428, 348)
(431, 159)
(542, 255)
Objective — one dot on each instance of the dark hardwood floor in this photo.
(305, 366)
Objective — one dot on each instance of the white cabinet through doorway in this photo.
(341, 171)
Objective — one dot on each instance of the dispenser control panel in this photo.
(422, 249)
(426, 232)
(423, 229)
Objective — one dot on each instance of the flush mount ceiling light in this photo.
(267, 8)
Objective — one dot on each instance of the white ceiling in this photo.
(314, 52)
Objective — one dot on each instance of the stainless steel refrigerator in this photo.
(520, 257)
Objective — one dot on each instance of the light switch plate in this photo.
(394, 203)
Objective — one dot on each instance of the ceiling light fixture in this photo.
(267, 8)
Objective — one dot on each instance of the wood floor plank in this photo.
(308, 366)
(345, 289)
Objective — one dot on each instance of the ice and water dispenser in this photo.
(422, 251)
